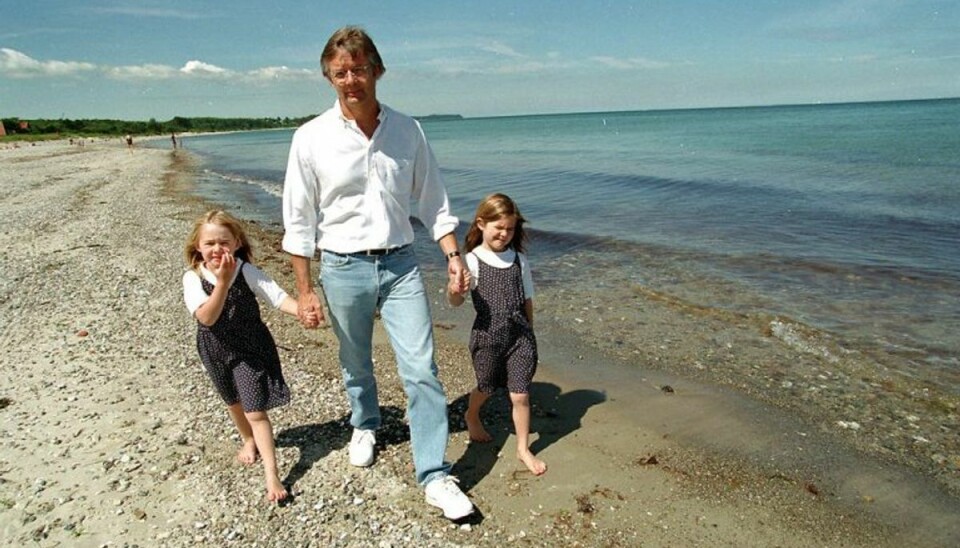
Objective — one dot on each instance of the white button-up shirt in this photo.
(345, 193)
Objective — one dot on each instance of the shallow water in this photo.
(840, 217)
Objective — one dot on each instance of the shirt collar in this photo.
(381, 116)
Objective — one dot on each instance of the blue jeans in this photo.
(355, 286)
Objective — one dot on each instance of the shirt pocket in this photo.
(394, 173)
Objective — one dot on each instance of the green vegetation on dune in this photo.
(20, 129)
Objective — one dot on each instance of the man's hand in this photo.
(459, 284)
(458, 276)
(309, 310)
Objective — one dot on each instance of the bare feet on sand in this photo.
(275, 489)
(248, 453)
(477, 432)
(535, 465)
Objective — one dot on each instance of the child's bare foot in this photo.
(477, 432)
(275, 489)
(535, 465)
(248, 453)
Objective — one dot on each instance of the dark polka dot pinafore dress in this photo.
(502, 342)
(239, 352)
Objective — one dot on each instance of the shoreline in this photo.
(117, 437)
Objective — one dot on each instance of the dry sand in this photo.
(112, 435)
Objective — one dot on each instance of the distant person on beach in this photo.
(237, 350)
(173, 139)
(352, 175)
(129, 140)
(502, 342)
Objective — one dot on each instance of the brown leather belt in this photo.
(379, 252)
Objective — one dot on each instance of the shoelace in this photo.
(447, 481)
(364, 435)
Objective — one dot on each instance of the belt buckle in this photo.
(382, 251)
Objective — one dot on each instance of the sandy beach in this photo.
(113, 435)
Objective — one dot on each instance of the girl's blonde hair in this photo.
(221, 218)
(491, 209)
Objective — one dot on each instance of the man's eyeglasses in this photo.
(359, 72)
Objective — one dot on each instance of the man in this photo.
(352, 174)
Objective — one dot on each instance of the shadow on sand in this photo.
(316, 441)
(554, 414)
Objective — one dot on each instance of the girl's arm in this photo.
(292, 307)
(267, 289)
(527, 277)
(289, 306)
(209, 312)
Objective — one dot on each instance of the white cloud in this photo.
(630, 63)
(199, 68)
(141, 72)
(15, 64)
(19, 65)
(499, 48)
(267, 74)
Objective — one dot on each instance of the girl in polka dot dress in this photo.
(502, 342)
(235, 346)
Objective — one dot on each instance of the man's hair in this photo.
(353, 40)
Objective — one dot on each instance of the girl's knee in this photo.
(520, 399)
(257, 416)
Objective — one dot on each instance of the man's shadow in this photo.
(553, 415)
(316, 441)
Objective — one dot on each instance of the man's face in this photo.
(354, 79)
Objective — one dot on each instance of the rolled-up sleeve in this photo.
(264, 286)
(300, 199)
(430, 192)
(193, 294)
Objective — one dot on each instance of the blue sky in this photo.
(137, 60)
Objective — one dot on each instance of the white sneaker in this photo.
(361, 447)
(444, 493)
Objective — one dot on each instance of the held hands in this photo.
(309, 319)
(459, 285)
(458, 275)
(309, 310)
(459, 281)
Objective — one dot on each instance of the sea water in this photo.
(842, 217)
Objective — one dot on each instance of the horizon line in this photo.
(566, 113)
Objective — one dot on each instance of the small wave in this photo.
(270, 187)
(793, 337)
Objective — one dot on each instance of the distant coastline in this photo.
(439, 117)
(42, 129)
